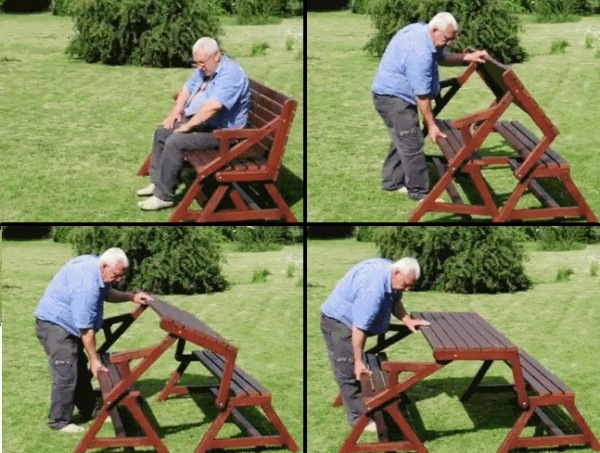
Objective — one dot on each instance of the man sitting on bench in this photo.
(360, 306)
(216, 96)
(67, 317)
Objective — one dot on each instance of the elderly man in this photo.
(67, 317)
(358, 307)
(216, 96)
(406, 80)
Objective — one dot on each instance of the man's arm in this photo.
(453, 59)
(424, 105)
(139, 297)
(401, 313)
(178, 109)
(88, 338)
(206, 111)
(359, 338)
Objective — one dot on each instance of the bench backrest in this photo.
(271, 107)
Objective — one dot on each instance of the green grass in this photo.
(347, 140)
(555, 322)
(263, 320)
(559, 46)
(74, 134)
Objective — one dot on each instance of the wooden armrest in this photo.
(403, 366)
(467, 120)
(228, 134)
(131, 354)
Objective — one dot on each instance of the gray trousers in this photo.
(71, 379)
(167, 155)
(405, 164)
(338, 339)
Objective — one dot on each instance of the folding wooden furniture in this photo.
(234, 388)
(237, 181)
(531, 160)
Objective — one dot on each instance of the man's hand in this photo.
(360, 368)
(97, 366)
(477, 56)
(142, 298)
(434, 133)
(170, 120)
(183, 128)
(413, 323)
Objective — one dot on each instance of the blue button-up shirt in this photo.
(409, 66)
(74, 299)
(229, 85)
(364, 297)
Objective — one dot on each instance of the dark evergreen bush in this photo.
(460, 259)
(483, 24)
(360, 6)
(141, 32)
(366, 233)
(25, 232)
(61, 234)
(163, 260)
(61, 7)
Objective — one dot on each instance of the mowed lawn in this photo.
(73, 135)
(555, 322)
(347, 140)
(264, 320)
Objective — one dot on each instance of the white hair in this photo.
(406, 265)
(209, 45)
(113, 256)
(442, 20)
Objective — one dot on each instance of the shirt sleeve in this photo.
(228, 88)
(85, 307)
(419, 72)
(369, 297)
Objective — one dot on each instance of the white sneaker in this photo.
(72, 428)
(148, 190)
(437, 200)
(371, 427)
(154, 204)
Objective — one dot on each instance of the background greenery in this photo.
(74, 134)
(259, 318)
(556, 322)
(347, 140)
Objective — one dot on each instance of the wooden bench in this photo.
(237, 181)
(233, 389)
(545, 390)
(131, 417)
(530, 159)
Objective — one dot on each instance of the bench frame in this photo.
(533, 162)
(173, 320)
(236, 182)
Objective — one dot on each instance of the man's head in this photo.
(113, 265)
(405, 273)
(443, 29)
(207, 55)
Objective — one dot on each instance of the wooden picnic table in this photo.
(457, 336)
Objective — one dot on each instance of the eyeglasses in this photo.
(449, 38)
(202, 62)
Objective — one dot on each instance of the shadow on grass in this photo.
(487, 411)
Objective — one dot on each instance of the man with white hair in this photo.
(67, 318)
(361, 305)
(406, 80)
(216, 96)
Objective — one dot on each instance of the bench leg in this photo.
(476, 380)
(284, 209)
(143, 171)
(171, 385)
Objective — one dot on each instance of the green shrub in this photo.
(366, 233)
(61, 7)
(360, 6)
(563, 274)
(459, 259)
(260, 239)
(61, 234)
(260, 275)
(141, 32)
(258, 12)
(163, 260)
(564, 238)
(24, 6)
(483, 24)
(589, 41)
(291, 270)
(556, 10)
(259, 49)
(594, 269)
(559, 46)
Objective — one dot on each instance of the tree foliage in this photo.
(483, 24)
(459, 259)
(163, 260)
(141, 32)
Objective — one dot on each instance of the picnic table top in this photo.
(464, 336)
